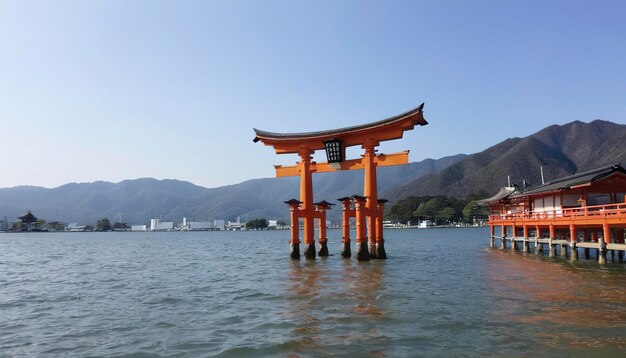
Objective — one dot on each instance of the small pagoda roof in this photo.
(359, 198)
(576, 180)
(386, 129)
(293, 202)
(323, 203)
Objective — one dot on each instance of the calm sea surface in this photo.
(442, 292)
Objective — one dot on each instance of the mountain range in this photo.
(137, 201)
(559, 150)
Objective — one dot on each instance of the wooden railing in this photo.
(578, 212)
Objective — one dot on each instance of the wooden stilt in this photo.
(573, 240)
(362, 252)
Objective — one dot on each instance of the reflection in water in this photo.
(553, 300)
(320, 303)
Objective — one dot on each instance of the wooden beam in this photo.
(381, 160)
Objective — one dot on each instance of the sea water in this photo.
(441, 292)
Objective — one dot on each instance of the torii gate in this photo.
(367, 209)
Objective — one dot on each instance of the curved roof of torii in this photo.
(386, 129)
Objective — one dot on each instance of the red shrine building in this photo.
(582, 211)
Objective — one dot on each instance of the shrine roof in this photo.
(504, 193)
(576, 179)
(386, 129)
(564, 183)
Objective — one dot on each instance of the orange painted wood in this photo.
(388, 129)
(381, 160)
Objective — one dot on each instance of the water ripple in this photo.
(231, 294)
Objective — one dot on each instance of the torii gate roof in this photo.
(386, 129)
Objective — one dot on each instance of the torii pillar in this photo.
(369, 216)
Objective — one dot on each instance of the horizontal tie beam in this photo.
(381, 160)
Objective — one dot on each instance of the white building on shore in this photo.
(158, 225)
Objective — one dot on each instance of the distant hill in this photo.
(136, 201)
(560, 150)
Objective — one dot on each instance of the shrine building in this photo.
(582, 211)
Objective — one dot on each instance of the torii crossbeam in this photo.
(367, 209)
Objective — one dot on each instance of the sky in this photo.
(115, 90)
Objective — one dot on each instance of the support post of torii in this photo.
(368, 210)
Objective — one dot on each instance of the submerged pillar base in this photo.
(371, 248)
(503, 243)
(309, 251)
(345, 250)
(602, 255)
(526, 247)
(361, 251)
(513, 245)
(563, 251)
(323, 249)
(381, 254)
(552, 251)
(586, 253)
(294, 251)
(620, 256)
(574, 249)
(492, 241)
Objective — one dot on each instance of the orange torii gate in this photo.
(367, 209)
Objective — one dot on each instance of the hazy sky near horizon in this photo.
(114, 90)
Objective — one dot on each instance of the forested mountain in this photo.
(559, 150)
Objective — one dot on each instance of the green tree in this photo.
(103, 225)
(430, 208)
(18, 226)
(403, 211)
(120, 226)
(448, 213)
(256, 224)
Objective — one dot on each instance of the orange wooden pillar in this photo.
(370, 193)
(503, 243)
(362, 253)
(492, 235)
(320, 209)
(306, 208)
(294, 242)
(380, 241)
(573, 236)
(346, 213)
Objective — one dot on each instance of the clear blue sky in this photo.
(114, 90)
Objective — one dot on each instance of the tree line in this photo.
(440, 209)
(32, 223)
